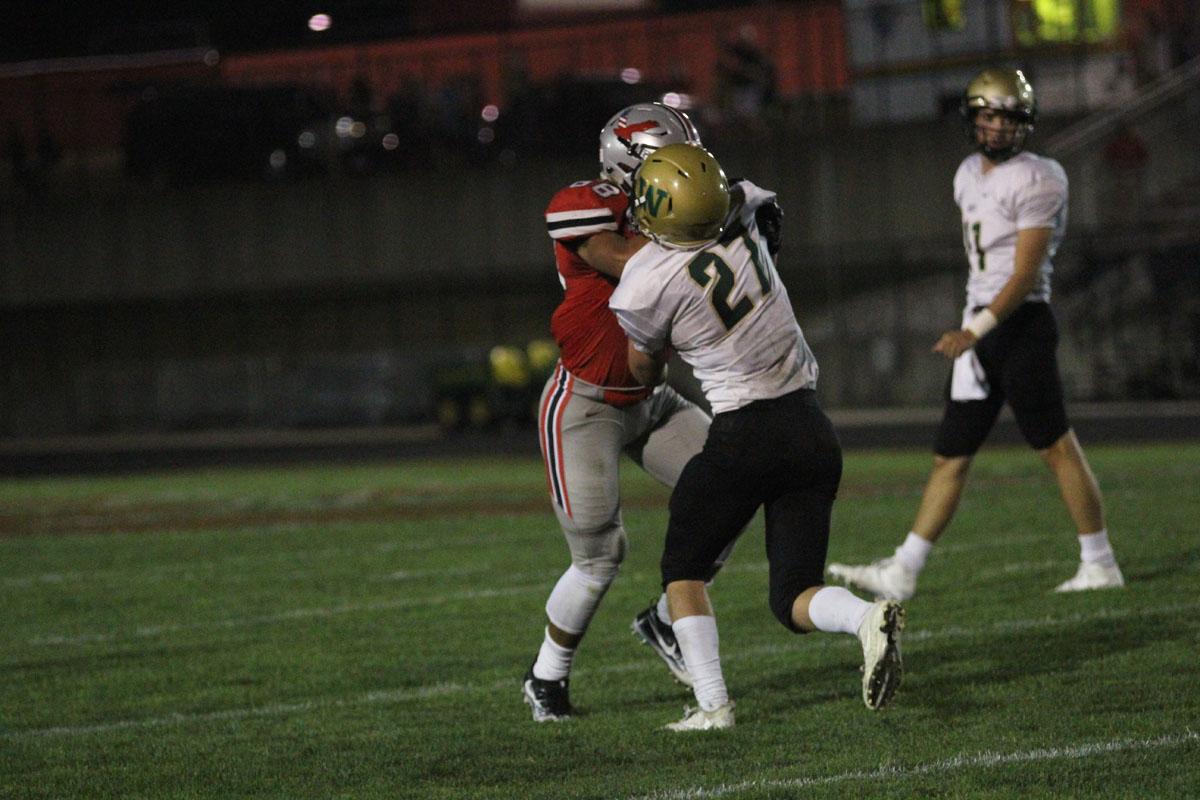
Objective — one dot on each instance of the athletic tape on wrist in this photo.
(981, 323)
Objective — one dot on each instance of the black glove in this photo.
(769, 217)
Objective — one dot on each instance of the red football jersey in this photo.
(590, 341)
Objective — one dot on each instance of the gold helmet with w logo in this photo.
(680, 196)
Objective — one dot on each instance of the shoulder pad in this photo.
(585, 208)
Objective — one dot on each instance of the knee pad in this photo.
(598, 553)
(575, 599)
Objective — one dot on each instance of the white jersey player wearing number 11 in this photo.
(1014, 212)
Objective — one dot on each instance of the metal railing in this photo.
(1091, 130)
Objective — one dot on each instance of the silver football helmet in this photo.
(634, 133)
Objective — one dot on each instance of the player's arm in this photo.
(1032, 244)
(608, 252)
(648, 369)
(768, 214)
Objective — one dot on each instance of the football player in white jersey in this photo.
(1014, 209)
(707, 288)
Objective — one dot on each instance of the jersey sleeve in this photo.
(752, 197)
(636, 304)
(755, 196)
(584, 209)
(1043, 197)
(960, 181)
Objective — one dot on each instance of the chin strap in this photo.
(999, 156)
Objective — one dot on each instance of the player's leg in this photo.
(1098, 568)
(711, 504)
(803, 467)
(1076, 482)
(1036, 396)
(671, 431)
(678, 432)
(581, 444)
(964, 427)
(804, 604)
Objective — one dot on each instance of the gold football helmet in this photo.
(681, 196)
(1008, 92)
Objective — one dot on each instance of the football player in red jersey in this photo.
(593, 409)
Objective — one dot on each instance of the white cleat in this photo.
(882, 667)
(886, 579)
(1093, 576)
(700, 720)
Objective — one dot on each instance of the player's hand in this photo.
(954, 343)
(769, 218)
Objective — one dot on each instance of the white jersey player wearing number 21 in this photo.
(706, 287)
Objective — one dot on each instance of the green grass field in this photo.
(361, 632)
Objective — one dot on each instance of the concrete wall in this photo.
(127, 306)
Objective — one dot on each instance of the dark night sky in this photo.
(38, 29)
(35, 29)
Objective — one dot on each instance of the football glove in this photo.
(769, 217)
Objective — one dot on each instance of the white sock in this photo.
(1095, 549)
(913, 552)
(835, 610)
(697, 637)
(664, 613)
(553, 661)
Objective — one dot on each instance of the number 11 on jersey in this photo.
(971, 242)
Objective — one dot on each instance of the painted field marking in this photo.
(172, 571)
(144, 631)
(200, 570)
(319, 612)
(392, 696)
(962, 761)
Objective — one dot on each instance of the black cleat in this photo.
(661, 639)
(548, 699)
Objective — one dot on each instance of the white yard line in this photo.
(392, 696)
(959, 762)
(146, 631)
(200, 569)
(204, 569)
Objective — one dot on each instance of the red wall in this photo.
(806, 42)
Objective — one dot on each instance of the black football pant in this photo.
(781, 454)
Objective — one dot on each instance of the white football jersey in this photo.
(1026, 191)
(723, 309)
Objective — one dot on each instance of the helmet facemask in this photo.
(1000, 135)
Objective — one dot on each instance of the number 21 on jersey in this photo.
(708, 267)
(971, 241)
